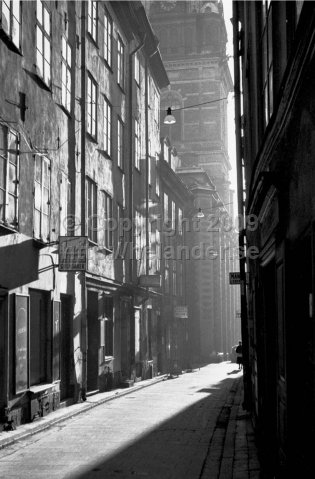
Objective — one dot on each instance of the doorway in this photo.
(93, 341)
(65, 346)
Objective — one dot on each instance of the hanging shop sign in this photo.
(73, 253)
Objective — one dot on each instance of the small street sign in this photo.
(181, 312)
(235, 278)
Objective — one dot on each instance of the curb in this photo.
(33, 428)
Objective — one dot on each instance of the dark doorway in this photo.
(269, 365)
(40, 337)
(93, 341)
(65, 347)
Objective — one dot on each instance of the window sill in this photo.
(121, 88)
(93, 139)
(38, 79)
(9, 43)
(105, 250)
(41, 388)
(6, 229)
(64, 109)
(40, 244)
(107, 65)
(104, 153)
(92, 40)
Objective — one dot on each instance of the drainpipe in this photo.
(242, 232)
(84, 326)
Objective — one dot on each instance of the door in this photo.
(65, 346)
(93, 341)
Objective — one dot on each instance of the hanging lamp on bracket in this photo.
(169, 119)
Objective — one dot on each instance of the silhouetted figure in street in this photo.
(239, 355)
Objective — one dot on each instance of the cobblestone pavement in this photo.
(190, 427)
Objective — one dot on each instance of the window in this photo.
(149, 163)
(41, 198)
(11, 20)
(156, 110)
(180, 221)
(91, 209)
(174, 281)
(165, 208)
(43, 42)
(66, 74)
(9, 177)
(173, 216)
(108, 29)
(267, 61)
(91, 105)
(137, 144)
(167, 276)
(120, 63)
(108, 220)
(92, 20)
(107, 126)
(137, 69)
(120, 144)
(157, 178)
(64, 204)
(138, 235)
(180, 279)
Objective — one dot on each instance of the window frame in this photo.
(108, 210)
(66, 66)
(120, 143)
(5, 156)
(266, 45)
(108, 38)
(108, 114)
(41, 188)
(41, 27)
(91, 206)
(10, 4)
(120, 62)
(92, 20)
(137, 144)
(137, 69)
(90, 111)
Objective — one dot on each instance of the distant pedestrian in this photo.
(239, 355)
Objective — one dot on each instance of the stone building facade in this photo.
(274, 89)
(193, 38)
(79, 135)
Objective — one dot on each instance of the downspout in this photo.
(84, 326)
(242, 232)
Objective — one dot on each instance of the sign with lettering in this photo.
(181, 312)
(21, 342)
(235, 278)
(73, 252)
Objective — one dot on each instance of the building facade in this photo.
(79, 125)
(274, 90)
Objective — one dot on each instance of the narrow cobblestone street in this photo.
(181, 427)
